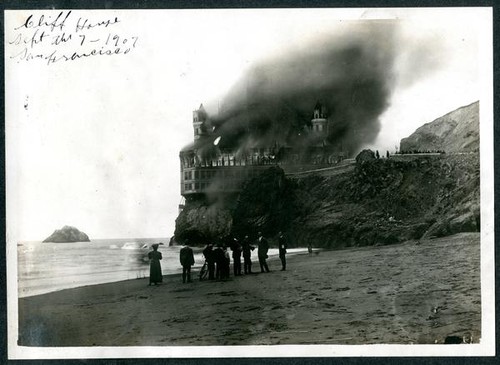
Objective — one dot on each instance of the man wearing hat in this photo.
(220, 261)
(282, 246)
(208, 252)
(262, 250)
(187, 260)
(237, 249)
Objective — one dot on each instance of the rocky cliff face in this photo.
(67, 234)
(387, 201)
(454, 132)
(376, 202)
(382, 201)
(201, 221)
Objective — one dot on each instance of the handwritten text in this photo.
(63, 36)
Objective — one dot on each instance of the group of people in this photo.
(155, 274)
(218, 258)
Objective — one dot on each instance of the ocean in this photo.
(45, 267)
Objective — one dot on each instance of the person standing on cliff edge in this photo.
(282, 246)
(155, 275)
(262, 252)
(186, 257)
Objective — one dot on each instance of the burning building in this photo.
(213, 164)
(272, 116)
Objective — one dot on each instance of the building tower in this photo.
(320, 120)
(199, 122)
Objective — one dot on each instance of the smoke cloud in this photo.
(350, 74)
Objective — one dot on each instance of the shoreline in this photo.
(172, 271)
(397, 294)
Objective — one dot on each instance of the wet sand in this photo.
(399, 294)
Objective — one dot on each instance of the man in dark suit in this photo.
(262, 252)
(186, 257)
(208, 252)
(247, 255)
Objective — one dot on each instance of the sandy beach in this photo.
(415, 292)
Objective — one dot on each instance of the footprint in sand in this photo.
(343, 289)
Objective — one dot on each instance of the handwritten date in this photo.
(67, 37)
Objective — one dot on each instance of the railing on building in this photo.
(226, 171)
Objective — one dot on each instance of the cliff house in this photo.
(208, 168)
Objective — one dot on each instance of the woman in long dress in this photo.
(155, 275)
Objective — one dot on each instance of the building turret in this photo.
(200, 123)
(319, 121)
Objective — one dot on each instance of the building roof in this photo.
(207, 141)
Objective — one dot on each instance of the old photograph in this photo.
(249, 182)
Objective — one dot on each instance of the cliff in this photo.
(388, 201)
(201, 220)
(67, 234)
(457, 131)
(371, 202)
(381, 201)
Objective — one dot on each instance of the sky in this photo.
(94, 142)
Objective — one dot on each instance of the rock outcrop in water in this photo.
(67, 234)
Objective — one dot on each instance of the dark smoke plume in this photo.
(350, 74)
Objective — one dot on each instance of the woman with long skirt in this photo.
(155, 275)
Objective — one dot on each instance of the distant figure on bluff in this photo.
(155, 275)
(186, 257)
(262, 253)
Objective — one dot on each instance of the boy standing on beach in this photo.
(187, 260)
